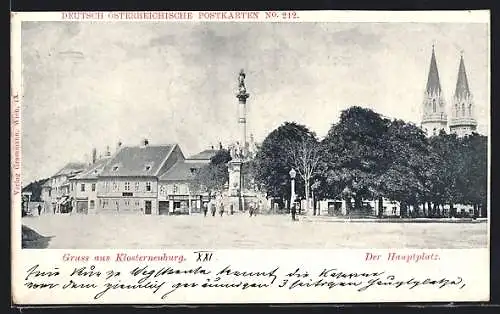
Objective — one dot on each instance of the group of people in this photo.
(214, 205)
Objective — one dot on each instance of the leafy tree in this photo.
(36, 189)
(447, 162)
(404, 179)
(356, 155)
(472, 183)
(274, 160)
(212, 177)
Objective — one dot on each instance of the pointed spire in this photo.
(433, 83)
(462, 88)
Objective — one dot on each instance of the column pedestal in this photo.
(235, 184)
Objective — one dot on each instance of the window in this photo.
(115, 168)
(136, 203)
(127, 202)
(93, 187)
(470, 109)
(71, 186)
(50, 193)
(115, 186)
(463, 109)
(175, 189)
(82, 187)
(148, 186)
(137, 186)
(162, 190)
(127, 186)
(456, 110)
(434, 105)
(92, 204)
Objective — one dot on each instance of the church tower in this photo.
(462, 115)
(434, 116)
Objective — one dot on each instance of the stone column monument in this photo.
(238, 151)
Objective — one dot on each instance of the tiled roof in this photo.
(142, 161)
(181, 171)
(93, 170)
(204, 155)
(71, 168)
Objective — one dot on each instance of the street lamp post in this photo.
(292, 174)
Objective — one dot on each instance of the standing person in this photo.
(212, 208)
(205, 209)
(231, 208)
(294, 210)
(39, 209)
(221, 208)
(251, 209)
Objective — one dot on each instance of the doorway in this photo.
(147, 209)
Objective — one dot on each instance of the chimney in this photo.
(145, 142)
(94, 155)
(108, 152)
(118, 145)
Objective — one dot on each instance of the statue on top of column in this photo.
(241, 81)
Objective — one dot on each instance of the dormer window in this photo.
(148, 166)
(193, 170)
(115, 168)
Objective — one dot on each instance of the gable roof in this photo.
(93, 170)
(70, 169)
(137, 161)
(207, 154)
(181, 171)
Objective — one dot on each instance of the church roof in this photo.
(462, 88)
(182, 171)
(140, 161)
(433, 83)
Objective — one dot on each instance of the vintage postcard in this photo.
(250, 157)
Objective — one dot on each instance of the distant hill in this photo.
(36, 189)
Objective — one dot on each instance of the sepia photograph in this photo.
(240, 135)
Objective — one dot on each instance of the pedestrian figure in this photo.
(221, 208)
(205, 209)
(39, 209)
(294, 210)
(212, 209)
(251, 209)
(231, 208)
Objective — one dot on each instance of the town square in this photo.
(224, 141)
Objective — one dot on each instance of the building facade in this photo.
(128, 182)
(175, 194)
(84, 194)
(58, 188)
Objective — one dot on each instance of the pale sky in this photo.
(91, 84)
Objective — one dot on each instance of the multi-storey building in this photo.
(60, 187)
(175, 193)
(84, 194)
(129, 180)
